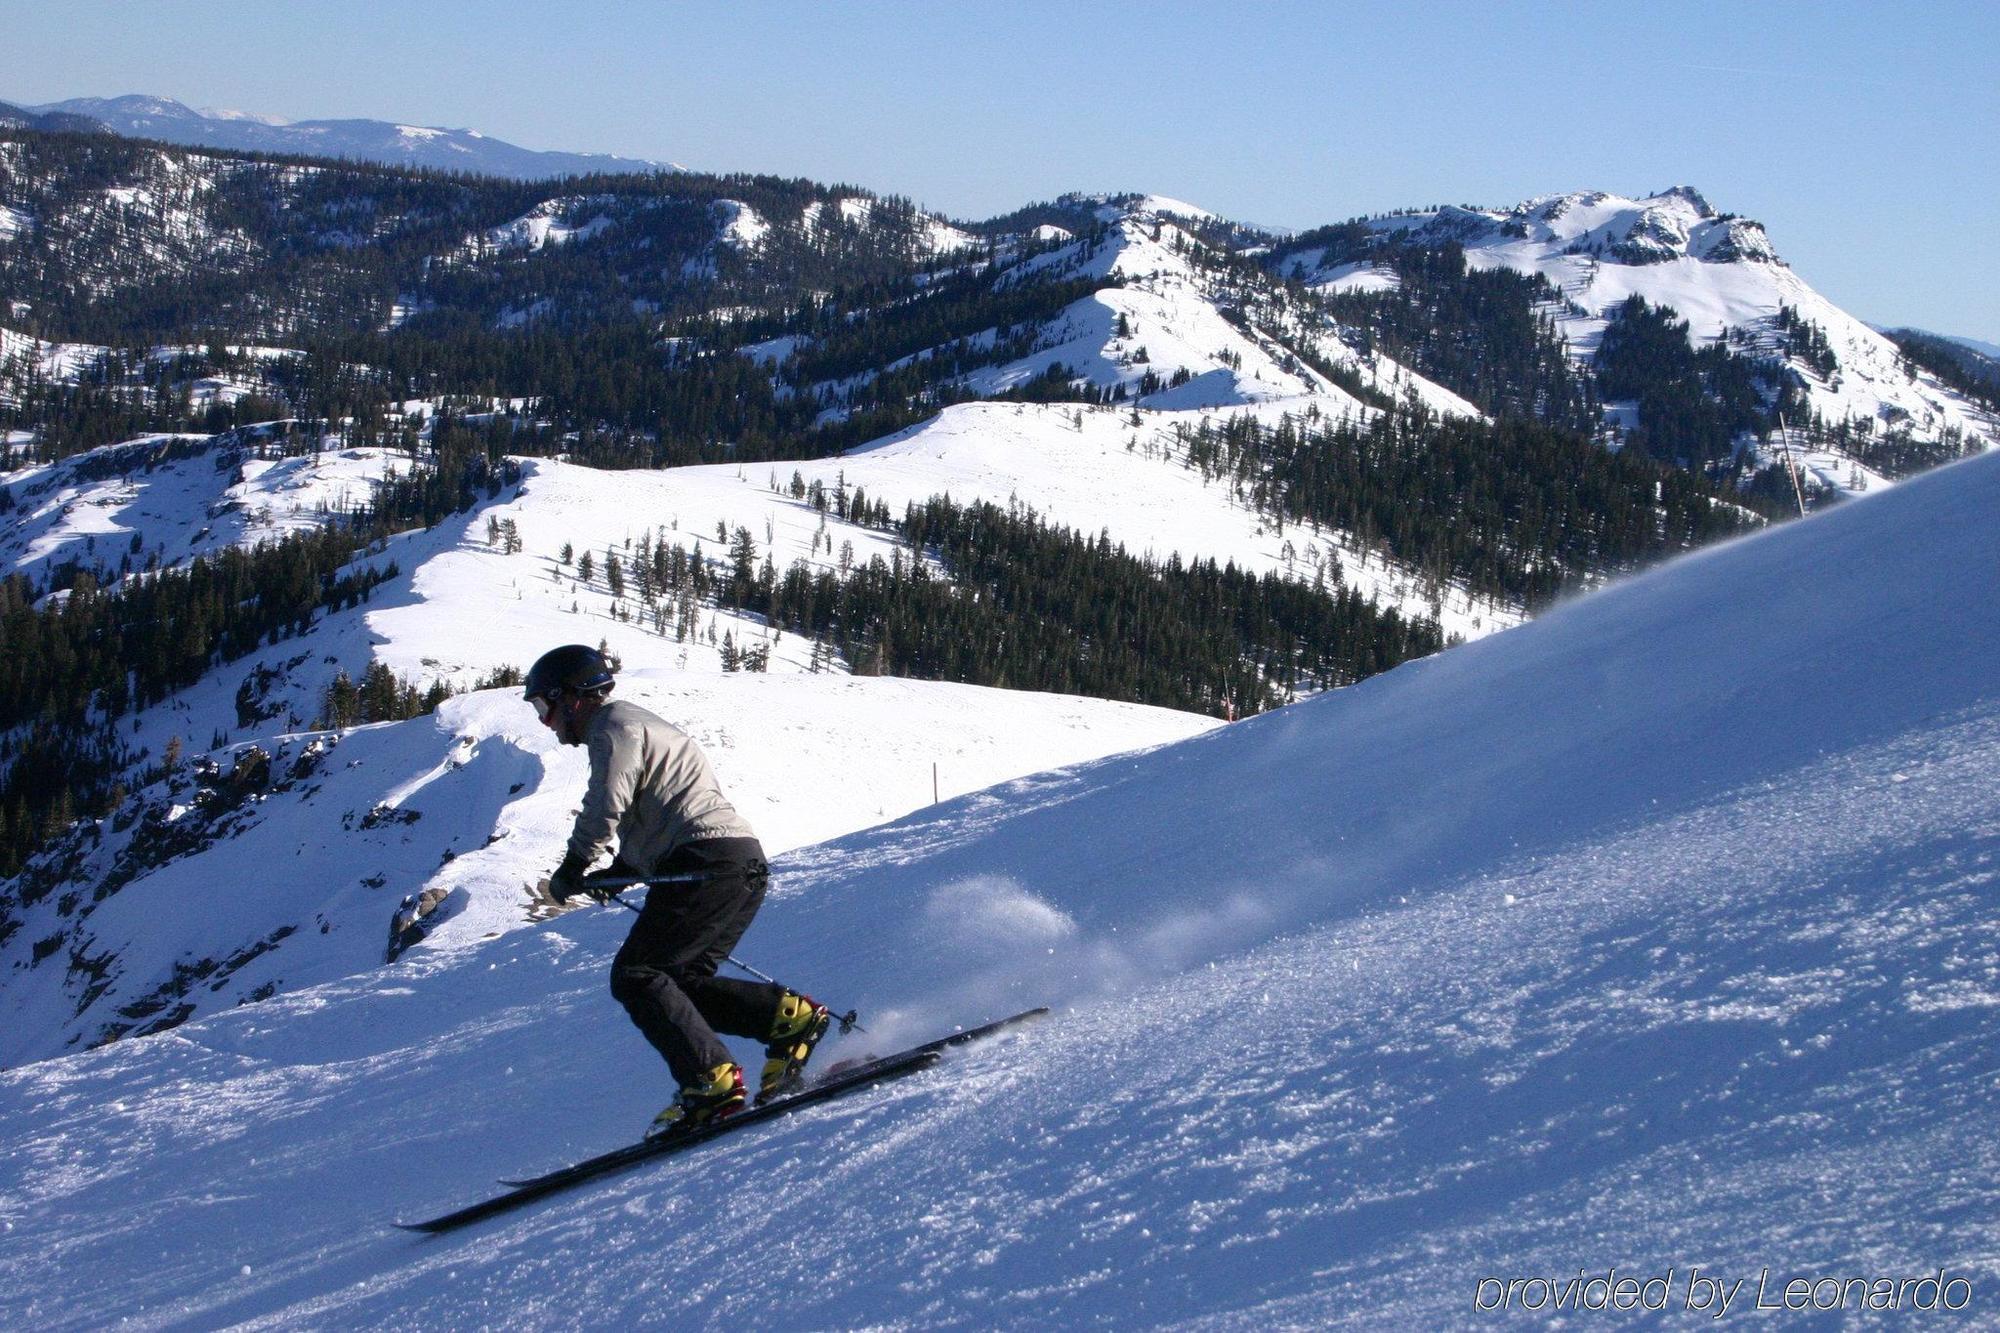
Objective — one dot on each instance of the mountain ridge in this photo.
(146, 117)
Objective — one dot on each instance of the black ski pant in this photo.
(664, 974)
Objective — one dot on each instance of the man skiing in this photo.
(653, 791)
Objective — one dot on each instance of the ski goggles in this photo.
(543, 706)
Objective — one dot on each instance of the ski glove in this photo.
(567, 882)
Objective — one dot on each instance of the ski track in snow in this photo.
(1657, 933)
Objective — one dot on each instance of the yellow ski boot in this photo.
(800, 1024)
(717, 1094)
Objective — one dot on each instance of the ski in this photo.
(866, 1074)
(880, 1070)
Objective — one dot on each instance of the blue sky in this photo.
(1862, 135)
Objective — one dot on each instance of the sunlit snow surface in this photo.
(172, 511)
(1659, 932)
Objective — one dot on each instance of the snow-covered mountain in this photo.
(1161, 332)
(95, 230)
(1100, 339)
(1182, 309)
(1164, 319)
(1655, 934)
(143, 117)
(1717, 271)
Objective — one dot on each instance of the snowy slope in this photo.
(1092, 470)
(178, 502)
(1027, 454)
(1157, 335)
(172, 910)
(551, 222)
(1719, 272)
(293, 882)
(1174, 327)
(22, 356)
(935, 235)
(1162, 332)
(173, 497)
(1656, 933)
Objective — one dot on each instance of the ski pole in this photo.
(633, 882)
(618, 886)
(761, 976)
(849, 1021)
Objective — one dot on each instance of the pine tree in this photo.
(340, 706)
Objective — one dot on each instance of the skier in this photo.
(653, 790)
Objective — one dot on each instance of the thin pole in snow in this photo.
(934, 782)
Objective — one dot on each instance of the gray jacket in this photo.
(651, 788)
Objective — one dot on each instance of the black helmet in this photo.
(574, 667)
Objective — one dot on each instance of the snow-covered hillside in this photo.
(167, 499)
(1161, 321)
(1160, 333)
(1718, 271)
(172, 909)
(25, 359)
(551, 222)
(1176, 347)
(22, 356)
(1088, 468)
(252, 884)
(1656, 934)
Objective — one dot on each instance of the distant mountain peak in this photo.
(1688, 195)
(130, 104)
(1677, 223)
(142, 116)
(1714, 270)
